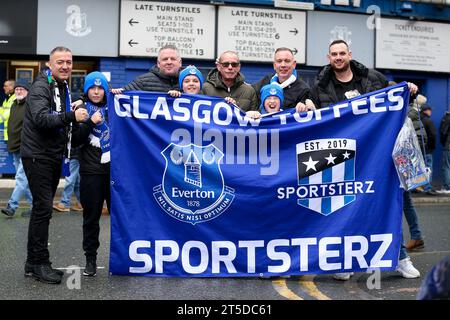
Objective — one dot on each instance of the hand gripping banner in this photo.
(200, 190)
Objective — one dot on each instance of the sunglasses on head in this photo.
(227, 64)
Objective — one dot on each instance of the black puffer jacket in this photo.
(44, 130)
(154, 80)
(242, 92)
(324, 93)
(296, 92)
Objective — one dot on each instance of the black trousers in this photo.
(43, 177)
(94, 190)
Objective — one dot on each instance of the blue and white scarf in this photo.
(58, 109)
(289, 81)
(99, 137)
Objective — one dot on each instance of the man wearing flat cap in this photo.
(15, 124)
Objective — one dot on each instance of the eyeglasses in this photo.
(227, 64)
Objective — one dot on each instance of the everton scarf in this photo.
(99, 137)
(58, 109)
(290, 80)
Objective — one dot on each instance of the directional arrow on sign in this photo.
(131, 43)
(294, 51)
(131, 22)
(295, 31)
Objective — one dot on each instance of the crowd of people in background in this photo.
(46, 128)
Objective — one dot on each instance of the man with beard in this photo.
(344, 78)
(14, 132)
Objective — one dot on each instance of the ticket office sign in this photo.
(413, 45)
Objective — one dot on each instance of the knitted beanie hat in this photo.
(190, 71)
(95, 79)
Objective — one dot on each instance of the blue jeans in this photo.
(413, 223)
(411, 216)
(429, 163)
(403, 254)
(72, 184)
(446, 169)
(21, 187)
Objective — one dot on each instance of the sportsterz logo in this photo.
(326, 175)
(193, 188)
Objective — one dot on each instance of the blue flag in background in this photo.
(200, 190)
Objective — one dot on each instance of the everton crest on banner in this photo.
(198, 189)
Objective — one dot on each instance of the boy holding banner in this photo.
(272, 98)
(191, 82)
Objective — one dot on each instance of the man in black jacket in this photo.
(344, 78)
(45, 138)
(296, 92)
(162, 77)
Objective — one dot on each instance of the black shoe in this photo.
(26, 213)
(431, 193)
(30, 267)
(45, 273)
(91, 267)
(8, 211)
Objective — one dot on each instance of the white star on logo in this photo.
(310, 164)
(330, 159)
(346, 155)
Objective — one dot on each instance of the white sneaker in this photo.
(406, 269)
(343, 276)
(443, 191)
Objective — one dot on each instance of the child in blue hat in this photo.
(271, 101)
(190, 81)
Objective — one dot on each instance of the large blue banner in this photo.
(200, 190)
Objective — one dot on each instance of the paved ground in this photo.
(65, 250)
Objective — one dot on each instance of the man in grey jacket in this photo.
(162, 77)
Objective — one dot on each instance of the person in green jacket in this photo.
(226, 80)
(8, 87)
